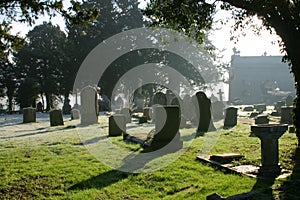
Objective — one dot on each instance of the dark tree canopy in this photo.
(24, 11)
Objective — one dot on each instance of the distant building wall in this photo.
(259, 79)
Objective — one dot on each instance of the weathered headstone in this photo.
(286, 115)
(75, 114)
(89, 106)
(29, 115)
(39, 107)
(203, 113)
(278, 105)
(56, 118)
(260, 107)
(117, 125)
(147, 112)
(127, 113)
(289, 100)
(248, 108)
(66, 109)
(262, 119)
(167, 128)
(230, 117)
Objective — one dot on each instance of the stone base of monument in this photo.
(56, 118)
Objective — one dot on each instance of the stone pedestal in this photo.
(269, 135)
(56, 118)
(117, 125)
(29, 115)
(75, 114)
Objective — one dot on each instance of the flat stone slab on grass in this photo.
(225, 157)
(249, 170)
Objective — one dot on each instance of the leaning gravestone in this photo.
(286, 115)
(89, 106)
(56, 118)
(167, 128)
(117, 125)
(75, 114)
(29, 115)
(230, 117)
(203, 112)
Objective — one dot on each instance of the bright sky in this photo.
(249, 45)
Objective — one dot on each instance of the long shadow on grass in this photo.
(132, 163)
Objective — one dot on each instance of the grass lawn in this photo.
(43, 162)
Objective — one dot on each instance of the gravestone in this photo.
(56, 118)
(248, 108)
(289, 101)
(75, 114)
(230, 117)
(147, 112)
(286, 115)
(217, 109)
(167, 128)
(203, 112)
(278, 106)
(89, 106)
(29, 115)
(66, 109)
(158, 99)
(39, 107)
(254, 114)
(117, 125)
(260, 107)
(262, 119)
(127, 113)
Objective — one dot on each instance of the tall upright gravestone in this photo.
(89, 105)
(203, 113)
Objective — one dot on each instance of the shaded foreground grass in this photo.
(52, 164)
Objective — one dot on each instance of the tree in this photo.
(9, 76)
(43, 59)
(115, 17)
(24, 11)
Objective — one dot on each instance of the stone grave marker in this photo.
(260, 107)
(117, 125)
(261, 119)
(203, 113)
(75, 114)
(39, 107)
(286, 115)
(56, 118)
(225, 157)
(167, 128)
(278, 106)
(89, 106)
(147, 112)
(248, 108)
(289, 100)
(178, 102)
(127, 113)
(230, 117)
(158, 99)
(29, 115)
(66, 109)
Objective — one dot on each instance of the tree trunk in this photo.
(48, 102)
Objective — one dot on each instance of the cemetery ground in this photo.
(43, 162)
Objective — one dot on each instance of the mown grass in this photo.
(54, 164)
